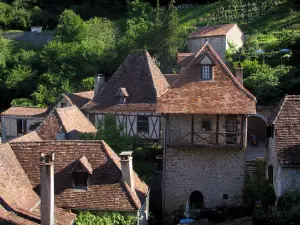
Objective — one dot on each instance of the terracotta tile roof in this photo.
(106, 191)
(80, 98)
(25, 112)
(208, 31)
(49, 128)
(31, 136)
(85, 163)
(74, 121)
(223, 95)
(139, 75)
(171, 78)
(287, 128)
(184, 59)
(142, 107)
(16, 193)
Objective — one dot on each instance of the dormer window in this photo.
(122, 100)
(206, 70)
(122, 95)
(81, 173)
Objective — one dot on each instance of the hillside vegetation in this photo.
(35, 74)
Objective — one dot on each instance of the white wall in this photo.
(9, 125)
(235, 36)
(129, 122)
(195, 44)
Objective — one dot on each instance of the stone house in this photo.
(130, 95)
(206, 112)
(17, 121)
(19, 204)
(88, 175)
(283, 161)
(218, 36)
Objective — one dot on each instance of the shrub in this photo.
(289, 200)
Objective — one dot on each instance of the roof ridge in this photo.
(280, 107)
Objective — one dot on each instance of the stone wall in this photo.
(212, 171)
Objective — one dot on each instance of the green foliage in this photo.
(71, 27)
(88, 218)
(87, 83)
(22, 102)
(289, 200)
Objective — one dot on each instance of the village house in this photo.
(19, 204)
(89, 175)
(283, 161)
(130, 95)
(218, 36)
(17, 121)
(206, 112)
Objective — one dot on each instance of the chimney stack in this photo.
(47, 188)
(127, 169)
(239, 73)
(99, 82)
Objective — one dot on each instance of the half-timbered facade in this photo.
(130, 95)
(206, 112)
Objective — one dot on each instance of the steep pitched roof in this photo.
(122, 92)
(286, 123)
(139, 75)
(184, 59)
(106, 191)
(25, 112)
(80, 98)
(18, 202)
(222, 95)
(215, 30)
(74, 121)
(171, 78)
(31, 136)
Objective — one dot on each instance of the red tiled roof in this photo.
(286, 123)
(106, 191)
(223, 95)
(16, 193)
(139, 75)
(73, 120)
(25, 112)
(183, 59)
(80, 98)
(85, 163)
(31, 136)
(208, 31)
(171, 78)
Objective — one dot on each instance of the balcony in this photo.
(205, 130)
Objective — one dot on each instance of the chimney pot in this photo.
(239, 74)
(127, 168)
(99, 82)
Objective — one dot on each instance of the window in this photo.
(122, 100)
(80, 179)
(231, 128)
(270, 174)
(206, 125)
(206, 72)
(21, 126)
(63, 104)
(142, 124)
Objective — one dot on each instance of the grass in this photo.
(16, 46)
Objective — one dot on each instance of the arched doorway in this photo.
(196, 200)
(257, 126)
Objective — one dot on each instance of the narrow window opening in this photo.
(206, 125)
(142, 124)
(122, 100)
(206, 72)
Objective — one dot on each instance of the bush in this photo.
(88, 218)
(288, 200)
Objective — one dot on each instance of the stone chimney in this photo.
(127, 169)
(239, 73)
(47, 188)
(99, 82)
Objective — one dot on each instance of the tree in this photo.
(71, 27)
(170, 39)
